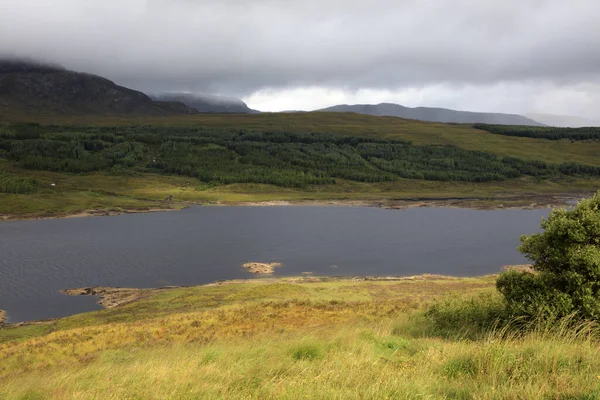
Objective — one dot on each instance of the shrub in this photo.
(469, 317)
(566, 265)
(306, 352)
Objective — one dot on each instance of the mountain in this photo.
(563, 121)
(36, 88)
(205, 103)
(433, 114)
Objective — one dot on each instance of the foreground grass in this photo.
(288, 339)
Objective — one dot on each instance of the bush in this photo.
(306, 352)
(471, 317)
(566, 267)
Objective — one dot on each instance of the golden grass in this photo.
(280, 339)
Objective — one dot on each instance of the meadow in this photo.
(116, 177)
(299, 338)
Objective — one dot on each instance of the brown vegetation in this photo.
(261, 268)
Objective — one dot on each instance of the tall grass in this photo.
(274, 343)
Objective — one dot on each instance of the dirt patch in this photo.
(90, 213)
(518, 201)
(111, 297)
(261, 268)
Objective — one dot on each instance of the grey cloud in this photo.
(239, 47)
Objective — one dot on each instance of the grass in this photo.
(464, 136)
(286, 339)
(143, 191)
(78, 193)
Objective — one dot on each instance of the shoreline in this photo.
(113, 297)
(85, 214)
(523, 201)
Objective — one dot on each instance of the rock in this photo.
(261, 268)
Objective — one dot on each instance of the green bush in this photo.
(17, 185)
(566, 267)
(306, 352)
(470, 317)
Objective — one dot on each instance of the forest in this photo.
(225, 156)
(543, 132)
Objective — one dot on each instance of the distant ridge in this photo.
(433, 114)
(38, 88)
(206, 103)
(564, 121)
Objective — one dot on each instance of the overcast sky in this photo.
(482, 55)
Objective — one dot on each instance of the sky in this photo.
(519, 56)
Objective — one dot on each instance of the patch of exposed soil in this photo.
(520, 201)
(90, 213)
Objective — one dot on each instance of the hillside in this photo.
(208, 103)
(28, 88)
(433, 114)
(61, 170)
(563, 121)
(296, 338)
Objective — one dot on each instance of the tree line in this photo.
(224, 156)
(543, 132)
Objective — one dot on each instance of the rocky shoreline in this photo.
(475, 203)
(112, 297)
(89, 213)
(523, 201)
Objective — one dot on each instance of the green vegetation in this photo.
(238, 156)
(566, 267)
(296, 338)
(120, 164)
(543, 132)
(351, 124)
(16, 185)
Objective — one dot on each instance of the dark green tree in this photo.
(566, 267)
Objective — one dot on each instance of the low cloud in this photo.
(419, 50)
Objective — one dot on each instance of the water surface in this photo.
(204, 244)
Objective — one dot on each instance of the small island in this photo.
(261, 268)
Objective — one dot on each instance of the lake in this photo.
(204, 244)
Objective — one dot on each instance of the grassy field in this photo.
(80, 193)
(293, 339)
(465, 136)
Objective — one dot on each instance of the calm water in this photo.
(204, 244)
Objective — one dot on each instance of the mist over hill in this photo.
(28, 87)
(433, 114)
(564, 121)
(208, 103)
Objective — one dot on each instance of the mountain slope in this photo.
(32, 88)
(433, 114)
(564, 121)
(208, 103)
